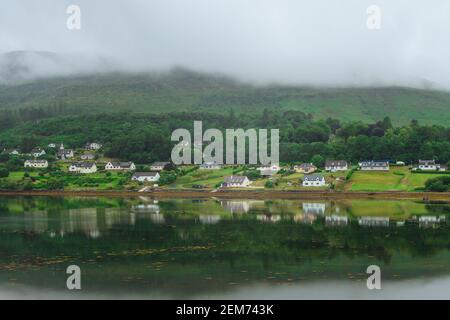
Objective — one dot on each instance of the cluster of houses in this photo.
(310, 179)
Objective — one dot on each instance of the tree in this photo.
(4, 172)
(318, 161)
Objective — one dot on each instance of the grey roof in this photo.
(64, 151)
(335, 163)
(427, 162)
(122, 164)
(160, 164)
(37, 161)
(235, 179)
(313, 177)
(83, 164)
(145, 174)
(374, 163)
(306, 165)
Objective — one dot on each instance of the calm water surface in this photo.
(241, 249)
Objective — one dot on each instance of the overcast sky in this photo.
(318, 42)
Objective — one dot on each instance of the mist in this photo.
(320, 43)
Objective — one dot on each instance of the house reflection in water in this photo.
(235, 206)
(36, 221)
(374, 221)
(209, 219)
(268, 217)
(84, 220)
(305, 218)
(150, 211)
(335, 220)
(314, 208)
(430, 221)
(117, 216)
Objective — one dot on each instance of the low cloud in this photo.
(325, 43)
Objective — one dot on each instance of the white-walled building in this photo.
(93, 146)
(159, 166)
(38, 152)
(236, 182)
(336, 165)
(83, 167)
(146, 176)
(314, 180)
(210, 166)
(429, 165)
(65, 154)
(374, 165)
(39, 164)
(120, 166)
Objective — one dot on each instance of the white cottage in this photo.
(374, 165)
(236, 182)
(336, 165)
(38, 152)
(38, 164)
(120, 166)
(314, 180)
(83, 167)
(146, 176)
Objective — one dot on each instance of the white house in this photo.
(159, 166)
(37, 152)
(210, 166)
(120, 166)
(429, 165)
(83, 167)
(52, 145)
(13, 152)
(36, 164)
(314, 180)
(272, 167)
(305, 168)
(65, 154)
(336, 165)
(374, 165)
(145, 176)
(87, 156)
(92, 146)
(236, 182)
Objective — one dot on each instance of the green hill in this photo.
(181, 90)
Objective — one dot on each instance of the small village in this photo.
(87, 169)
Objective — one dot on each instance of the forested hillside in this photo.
(181, 90)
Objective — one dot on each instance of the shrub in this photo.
(439, 184)
(4, 172)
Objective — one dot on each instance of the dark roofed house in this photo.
(65, 154)
(159, 166)
(306, 168)
(145, 176)
(429, 165)
(120, 166)
(314, 180)
(336, 165)
(374, 165)
(236, 181)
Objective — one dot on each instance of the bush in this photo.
(269, 184)
(4, 172)
(439, 184)
(55, 184)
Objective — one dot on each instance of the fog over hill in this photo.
(294, 42)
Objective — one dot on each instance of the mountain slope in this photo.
(181, 90)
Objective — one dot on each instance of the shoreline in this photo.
(245, 194)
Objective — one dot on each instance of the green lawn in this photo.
(397, 179)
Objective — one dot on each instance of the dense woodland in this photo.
(146, 137)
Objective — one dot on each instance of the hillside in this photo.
(181, 90)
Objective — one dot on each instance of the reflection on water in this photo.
(222, 248)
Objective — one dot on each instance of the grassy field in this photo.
(182, 90)
(397, 179)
